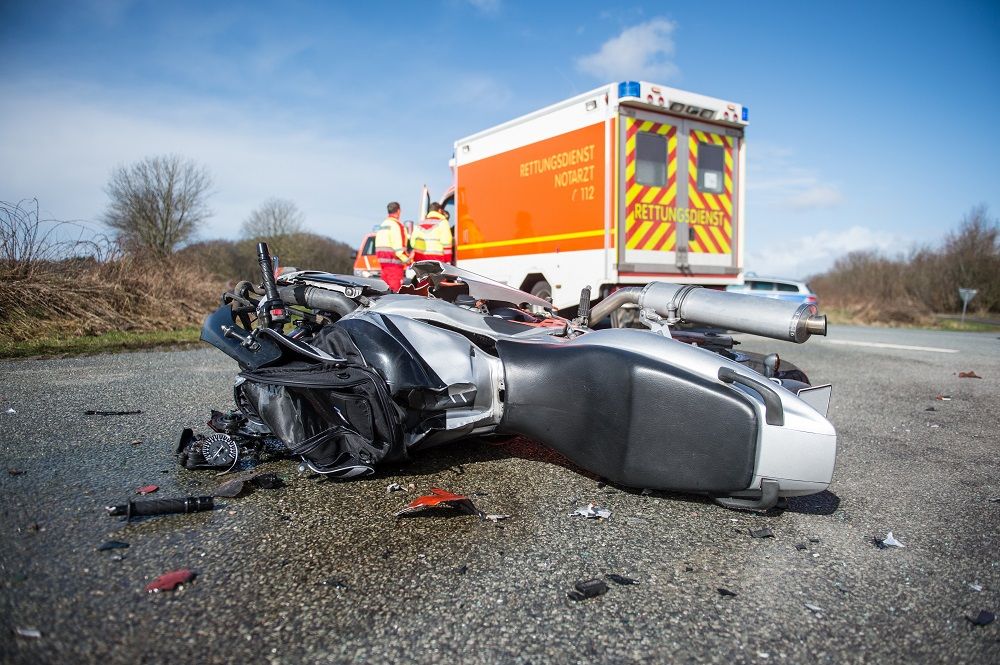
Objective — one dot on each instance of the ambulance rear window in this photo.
(651, 159)
(710, 160)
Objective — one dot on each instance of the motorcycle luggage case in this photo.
(643, 423)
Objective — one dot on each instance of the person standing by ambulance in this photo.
(390, 247)
(432, 237)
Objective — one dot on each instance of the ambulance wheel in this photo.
(542, 290)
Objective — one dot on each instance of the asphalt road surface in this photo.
(323, 572)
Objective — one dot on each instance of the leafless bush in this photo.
(274, 218)
(873, 287)
(158, 203)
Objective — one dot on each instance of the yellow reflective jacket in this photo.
(390, 242)
(433, 236)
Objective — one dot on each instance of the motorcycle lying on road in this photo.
(349, 375)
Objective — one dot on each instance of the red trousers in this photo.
(420, 256)
(392, 274)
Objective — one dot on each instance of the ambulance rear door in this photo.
(678, 201)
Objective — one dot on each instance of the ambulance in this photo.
(626, 184)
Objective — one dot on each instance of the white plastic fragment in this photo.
(889, 541)
(813, 608)
(10, 411)
(592, 512)
(33, 633)
(976, 586)
(496, 518)
(394, 487)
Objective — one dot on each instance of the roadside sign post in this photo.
(966, 295)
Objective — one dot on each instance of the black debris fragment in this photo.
(602, 483)
(984, 618)
(386, 554)
(801, 546)
(14, 472)
(725, 593)
(111, 413)
(229, 490)
(112, 545)
(762, 533)
(588, 589)
(336, 583)
(621, 579)
(266, 481)
(813, 539)
(462, 570)
(688, 569)
(930, 408)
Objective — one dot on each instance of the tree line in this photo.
(158, 205)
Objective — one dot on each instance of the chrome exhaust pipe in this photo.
(733, 311)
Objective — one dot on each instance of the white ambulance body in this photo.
(626, 184)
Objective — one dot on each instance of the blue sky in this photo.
(870, 122)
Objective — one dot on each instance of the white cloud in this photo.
(62, 147)
(805, 255)
(817, 196)
(640, 52)
(776, 179)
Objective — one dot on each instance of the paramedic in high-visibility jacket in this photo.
(432, 237)
(390, 247)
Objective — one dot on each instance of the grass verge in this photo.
(108, 342)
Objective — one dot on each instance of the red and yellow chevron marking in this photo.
(711, 239)
(646, 226)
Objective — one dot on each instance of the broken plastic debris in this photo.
(439, 497)
(496, 518)
(984, 618)
(592, 512)
(394, 487)
(136, 442)
(943, 398)
(968, 375)
(725, 593)
(110, 413)
(621, 579)
(232, 489)
(170, 581)
(762, 533)
(800, 546)
(813, 539)
(588, 589)
(229, 490)
(266, 481)
(816, 609)
(14, 472)
(147, 489)
(31, 633)
(112, 545)
(887, 542)
(11, 411)
(976, 586)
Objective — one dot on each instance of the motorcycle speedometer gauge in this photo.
(220, 451)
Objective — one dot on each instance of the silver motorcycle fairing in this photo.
(798, 454)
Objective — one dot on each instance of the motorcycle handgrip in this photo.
(267, 272)
(189, 504)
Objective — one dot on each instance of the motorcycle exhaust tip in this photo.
(816, 324)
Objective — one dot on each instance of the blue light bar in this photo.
(628, 89)
(746, 114)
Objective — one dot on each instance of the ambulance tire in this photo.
(542, 290)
